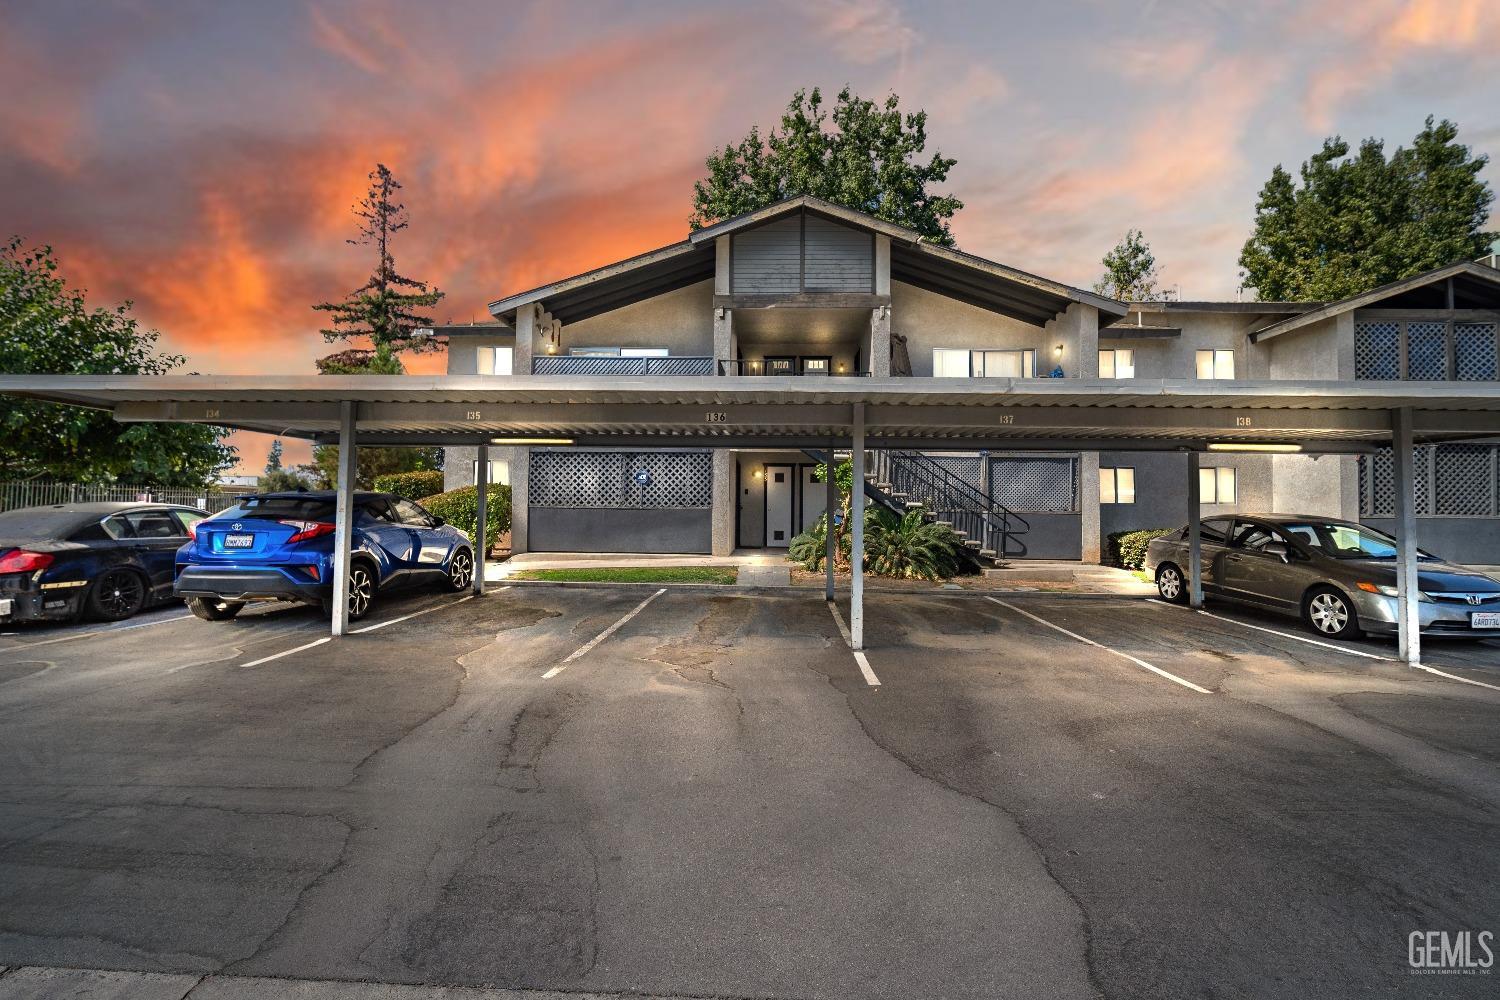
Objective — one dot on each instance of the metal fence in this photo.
(32, 493)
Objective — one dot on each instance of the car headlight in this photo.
(1378, 588)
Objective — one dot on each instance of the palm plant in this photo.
(909, 546)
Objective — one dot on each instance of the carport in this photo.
(1327, 417)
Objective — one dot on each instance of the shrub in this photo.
(808, 548)
(1127, 549)
(909, 546)
(411, 485)
(460, 508)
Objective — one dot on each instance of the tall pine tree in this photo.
(1358, 222)
(385, 310)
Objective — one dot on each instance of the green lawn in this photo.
(633, 574)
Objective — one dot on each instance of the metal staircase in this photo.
(904, 480)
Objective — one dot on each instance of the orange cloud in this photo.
(1387, 35)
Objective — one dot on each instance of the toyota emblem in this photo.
(236, 526)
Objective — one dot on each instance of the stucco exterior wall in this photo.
(681, 321)
(930, 321)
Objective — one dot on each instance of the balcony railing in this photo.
(739, 366)
(587, 364)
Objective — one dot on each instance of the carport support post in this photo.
(343, 518)
(831, 504)
(1408, 624)
(857, 534)
(1195, 534)
(481, 516)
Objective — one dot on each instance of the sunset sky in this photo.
(200, 159)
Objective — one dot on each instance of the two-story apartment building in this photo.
(809, 290)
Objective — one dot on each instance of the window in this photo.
(1117, 486)
(495, 360)
(1254, 537)
(188, 518)
(618, 352)
(1216, 364)
(1117, 363)
(1214, 530)
(1216, 485)
(816, 366)
(410, 513)
(948, 363)
(499, 472)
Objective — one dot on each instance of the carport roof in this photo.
(793, 412)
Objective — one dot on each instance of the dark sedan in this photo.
(104, 561)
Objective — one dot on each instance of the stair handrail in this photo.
(991, 515)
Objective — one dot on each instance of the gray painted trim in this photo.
(1486, 274)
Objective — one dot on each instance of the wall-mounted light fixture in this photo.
(760, 473)
(841, 368)
(1058, 350)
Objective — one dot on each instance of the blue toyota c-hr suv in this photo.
(279, 546)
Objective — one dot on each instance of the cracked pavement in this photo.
(714, 803)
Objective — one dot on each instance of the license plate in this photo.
(5, 607)
(238, 541)
(1484, 619)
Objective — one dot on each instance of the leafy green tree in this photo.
(47, 328)
(323, 470)
(1357, 222)
(386, 310)
(1130, 273)
(870, 160)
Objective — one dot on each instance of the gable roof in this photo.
(914, 260)
(1475, 286)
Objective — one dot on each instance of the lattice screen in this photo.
(1474, 352)
(1035, 484)
(964, 467)
(1464, 480)
(1451, 480)
(1427, 350)
(673, 479)
(1377, 351)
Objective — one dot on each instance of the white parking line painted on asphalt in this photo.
(1329, 645)
(1084, 639)
(1272, 631)
(288, 652)
(859, 657)
(414, 614)
(101, 631)
(582, 650)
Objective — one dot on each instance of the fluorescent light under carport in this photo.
(518, 441)
(1249, 446)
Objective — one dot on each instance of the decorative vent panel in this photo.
(647, 479)
(1427, 351)
(1377, 351)
(1030, 485)
(1474, 352)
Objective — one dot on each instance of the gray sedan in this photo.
(1338, 576)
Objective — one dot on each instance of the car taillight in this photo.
(193, 530)
(21, 561)
(308, 529)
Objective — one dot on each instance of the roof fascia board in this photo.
(1108, 306)
(804, 202)
(1363, 299)
(508, 304)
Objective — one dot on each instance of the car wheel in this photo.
(211, 610)
(1329, 613)
(361, 591)
(460, 571)
(117, 595)
(1170, 584)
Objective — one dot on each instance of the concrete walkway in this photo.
(604, 560)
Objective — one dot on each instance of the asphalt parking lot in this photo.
(701, 793)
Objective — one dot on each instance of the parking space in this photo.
(703, 792)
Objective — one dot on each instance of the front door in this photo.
(780, 495)
(1253, 574)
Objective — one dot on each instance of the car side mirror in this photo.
(438, 522)
(1279, 550)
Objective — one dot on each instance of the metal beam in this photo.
(831, 500)
(481, 520)
(1195, 533)
(857, 534)
(343, 517)
(1408, 627)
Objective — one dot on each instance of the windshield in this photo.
(1342, 540)
(43, 522)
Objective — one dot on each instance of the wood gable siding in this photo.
(802, 253)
